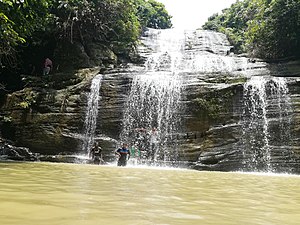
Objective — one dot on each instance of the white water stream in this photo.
(266, 114)
(91, 114)
(150, 117)
(174, 59)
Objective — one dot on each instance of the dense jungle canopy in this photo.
(264, 28)
(33, 29)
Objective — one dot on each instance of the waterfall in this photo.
(173, 60)
(266, 120)
(207, 53)
(91, 114)
(150, 119)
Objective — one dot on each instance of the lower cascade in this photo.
(151, 112)
(266, 121)
(150, 117)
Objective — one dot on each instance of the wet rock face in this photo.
(45, 117)
(216, 132)
(49, 119)
(243, 136)
(210, 136)
(11, 152)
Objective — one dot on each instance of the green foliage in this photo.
(112, 23)
(275, 31)
(6, 119)
(153, 14)
(99, 20)
(214, 106)
(18, 20)
(27, 99)
(116, 24)
(264, 28)
(209, 107)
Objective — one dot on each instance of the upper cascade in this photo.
(197, 51)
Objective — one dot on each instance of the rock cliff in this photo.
(48, 115)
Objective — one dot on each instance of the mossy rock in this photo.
(214, 105)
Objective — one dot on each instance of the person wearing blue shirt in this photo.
(123, 154)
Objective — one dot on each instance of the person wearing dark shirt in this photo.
(123, 154)
(96, 154)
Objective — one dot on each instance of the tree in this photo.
(233, 23)
(275, 31)
(37, 27)
(153, 14)
(263, 28)
(159, 18)
(18, 20)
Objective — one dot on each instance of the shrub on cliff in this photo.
(153, 14)
(19, 19)
(263, 28)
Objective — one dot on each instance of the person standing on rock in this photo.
(47, 66)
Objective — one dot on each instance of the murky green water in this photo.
(68, 194)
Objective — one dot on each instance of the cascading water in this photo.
(91, 114)
(153, 106)
(266, 121)
(208, 52)
(150, 119)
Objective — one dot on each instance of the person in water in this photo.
(154, 141)
(135, 153)
(123, 155)
(96, 154)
